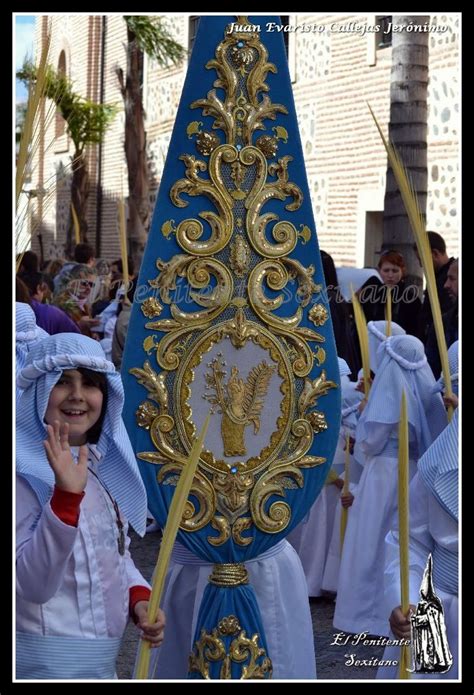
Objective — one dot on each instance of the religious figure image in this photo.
(239, 401)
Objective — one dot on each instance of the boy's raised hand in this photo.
(68, 475)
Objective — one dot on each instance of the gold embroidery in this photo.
(207, 142)
(151, 308)
(229, 574)
(267, 145)
(235, 496)
(240, 402)
(239, 256)
(318, 315)
(211, 648)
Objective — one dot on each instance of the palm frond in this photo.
(361, 326)
(418, 226)
(256, 387)
(153, 38)
(35, 94)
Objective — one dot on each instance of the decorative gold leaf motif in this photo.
(190, 231)
(168, 228)
(145, 414)
(313, 390)
(193, 128)
(304, 234)
(211, 648)
(320, 356)
(239, 256)
(153, 382)
(149, 344)
(198, 272)
(281, 133)
(240, 525)
(247, 49)
(233, 489)
(317, 421)
(221, 524)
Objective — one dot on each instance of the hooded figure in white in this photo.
(377, 334)
(402, 366)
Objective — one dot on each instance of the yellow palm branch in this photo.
(417, 224)
(361, 325)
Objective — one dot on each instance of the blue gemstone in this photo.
(239, 147)
(233, 469)
(240, 44)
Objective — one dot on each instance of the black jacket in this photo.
(426, 317)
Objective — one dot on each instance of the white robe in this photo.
(360, 585)
(333, 556)
(429, 522)
(310, 539)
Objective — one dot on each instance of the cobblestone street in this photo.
(330, 658)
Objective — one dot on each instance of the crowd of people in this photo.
(78, 485)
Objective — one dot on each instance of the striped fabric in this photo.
(439, 468)
(445, 569)
(118, 467)
(41, 657)
(403, 367)
(184, 556)
(344, 369)
(377, 333)
(453, 362)
(27, 334)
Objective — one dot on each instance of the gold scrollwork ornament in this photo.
(211, 648)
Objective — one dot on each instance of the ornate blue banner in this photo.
(231, 315)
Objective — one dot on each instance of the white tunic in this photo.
(310, 539)
(360, 586)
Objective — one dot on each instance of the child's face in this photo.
(77, 401)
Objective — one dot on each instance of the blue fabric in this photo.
(200, 80)
(45, 657)
(118, 469)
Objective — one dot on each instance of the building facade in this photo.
(336, 65)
